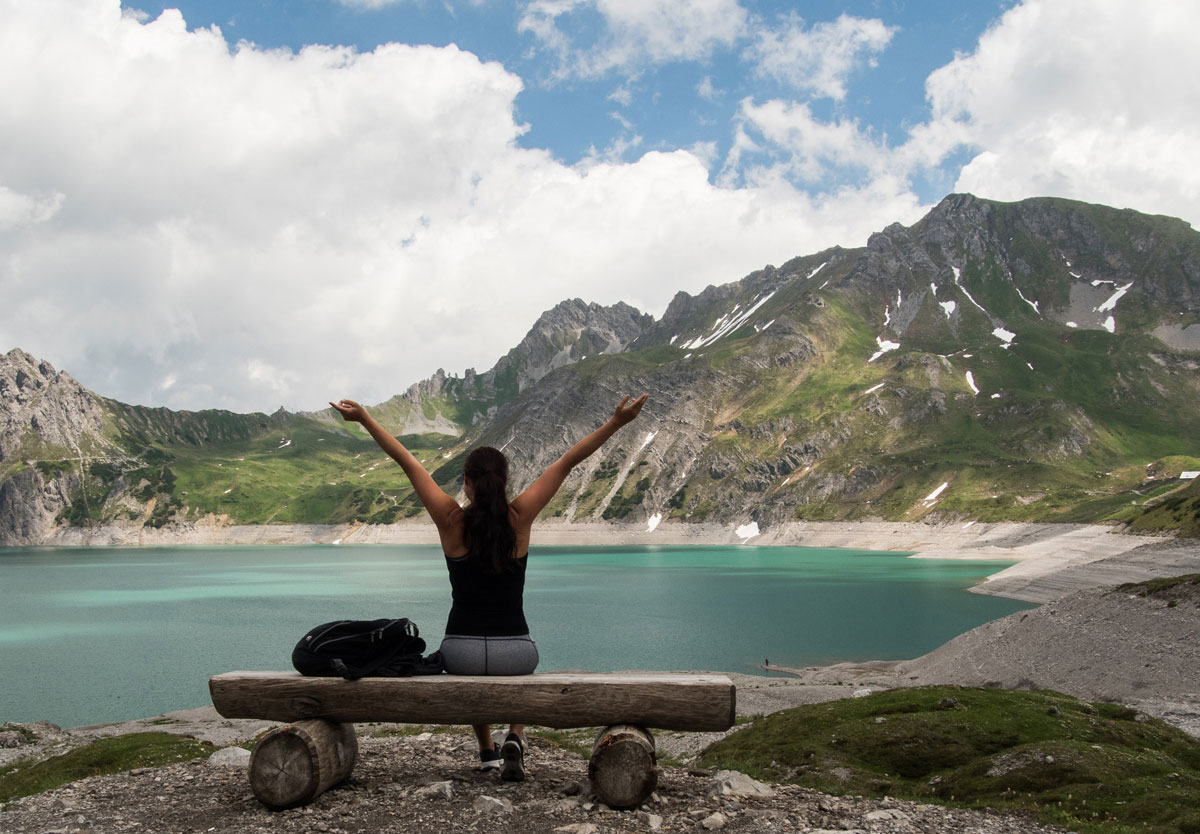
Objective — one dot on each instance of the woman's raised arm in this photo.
(438, 504)
(535, 498)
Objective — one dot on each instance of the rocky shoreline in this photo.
(954, 539)
(1044, 554)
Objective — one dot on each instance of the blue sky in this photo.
(646, 105)
(253, 203)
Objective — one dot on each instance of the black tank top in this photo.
(486, 604)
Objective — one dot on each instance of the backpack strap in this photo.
(399, 646)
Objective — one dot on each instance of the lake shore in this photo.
(1050, 559)
(1130, 646)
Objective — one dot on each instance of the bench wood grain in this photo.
(705, 703)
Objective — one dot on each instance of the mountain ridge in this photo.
(993, 361)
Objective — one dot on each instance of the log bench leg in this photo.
(623, 767)
(294, 764)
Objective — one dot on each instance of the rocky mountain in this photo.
(48, 422)
(451, 405)
(68, 456)
(992, 361)
(1029, 361)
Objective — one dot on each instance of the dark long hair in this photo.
(490, 537)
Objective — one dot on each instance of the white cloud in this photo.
(819, 58)
(1064, 98)
(706, 90)
(1073, 98)
(803, 148)
(617, 149)
(706, 152)
(260, 227)
(635, 33)
(622, 121)
(369, 5)
(622, 96)
(18, 210)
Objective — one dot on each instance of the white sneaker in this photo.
(490, 759)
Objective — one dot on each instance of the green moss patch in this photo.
(1090, 767)
(101, 757)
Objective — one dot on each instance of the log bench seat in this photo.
(293, 764)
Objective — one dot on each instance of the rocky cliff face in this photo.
(50, 427)
(1059, 260)
(573, 330)
(39, 405)
(30, 503)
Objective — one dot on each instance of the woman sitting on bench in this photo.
(485, 545)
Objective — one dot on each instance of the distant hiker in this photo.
(486, 544)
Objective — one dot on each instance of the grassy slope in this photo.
(1090, 767)
(322, 476)
(304, 472)
(1178, 510)
(101, 757)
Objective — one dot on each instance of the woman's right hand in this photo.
(351, 411)
(627, 410)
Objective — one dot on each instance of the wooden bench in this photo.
(293, 764)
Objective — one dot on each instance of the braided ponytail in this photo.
(490, 537)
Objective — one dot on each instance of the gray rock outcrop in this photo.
(50, 428)
(41, 407)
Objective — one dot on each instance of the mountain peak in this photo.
(570, 331)
(991, 361)
(40, 407)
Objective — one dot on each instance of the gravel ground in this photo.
(1041, 580)
(425, 783)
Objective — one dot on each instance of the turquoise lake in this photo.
(110, 634)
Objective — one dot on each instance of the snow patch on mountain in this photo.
(884, 347)
(1111, 304)
(726, 324)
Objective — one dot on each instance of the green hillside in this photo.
(1095, 768)
(1177, 510)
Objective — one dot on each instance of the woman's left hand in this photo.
(627, 411)
(351, 411)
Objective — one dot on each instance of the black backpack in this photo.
(354, 649)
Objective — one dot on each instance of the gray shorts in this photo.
(468, 655)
